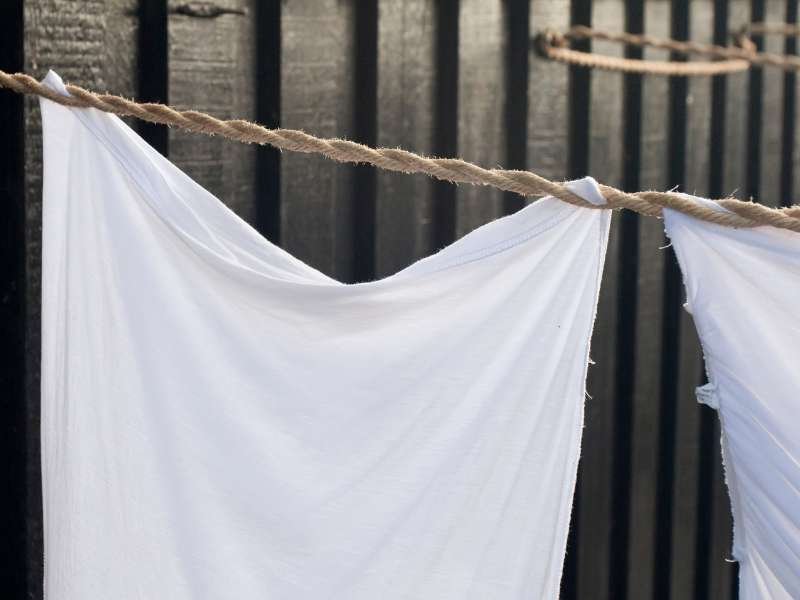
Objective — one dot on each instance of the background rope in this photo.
(787, 29)
(554, 45)
(743, 214)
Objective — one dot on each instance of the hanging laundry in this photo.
(221, 420)
(743, 288)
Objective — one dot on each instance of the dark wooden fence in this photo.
(445, 77)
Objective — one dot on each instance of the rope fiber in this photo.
(525, 183)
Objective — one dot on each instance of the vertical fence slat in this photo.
(363, 182)
(792, 43)
(671, 344)
(74, 39)
(721, 574)
(772, 112)
(152, 67)
(268, 108)
(598, 505)
(317, 96)
(755, 109)
(708, 553)
(687, 441)
(211, 66)
(736, 114)
(587, 570)
(516, 68)
(445, 123)
(649, 313)
(547, 153)
(548, 86)
(789, 134)
(481, 138)
(406, 70)
(709, 455)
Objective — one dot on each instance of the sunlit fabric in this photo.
(221, 420)
(743, 289)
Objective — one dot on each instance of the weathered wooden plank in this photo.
(789, 171)
(406, 70)
(317, 96)
(599, 525)
(769, 191)
(791, 190)
(268, 107)
(445, 121)
(548, 86)
(755, 109)
(516, 69)
(735, 175)
(152, 65)
(211, 66)
(687, 441)
(670, 372)
(79, 40)
(481, 100)
(364, 177)
(721, 573)
(648, 317)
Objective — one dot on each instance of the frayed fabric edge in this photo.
(708, 394)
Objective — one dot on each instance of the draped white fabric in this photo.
(221, 420)
(743, 290)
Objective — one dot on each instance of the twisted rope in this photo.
(554, 45)
(525, 183)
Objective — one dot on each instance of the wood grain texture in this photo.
(406, 70)
(480, 106)
(735, 176)
(83, 42)
(769, 192)
(211, 67)
(317, 96)
(548, 86)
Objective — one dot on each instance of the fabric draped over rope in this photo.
(220, 419)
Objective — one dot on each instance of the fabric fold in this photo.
(221, 420)
(743, 287)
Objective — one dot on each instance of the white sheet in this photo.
(220, 420)
(743, 289)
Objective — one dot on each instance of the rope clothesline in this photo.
(555, 46)
(525, 183)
